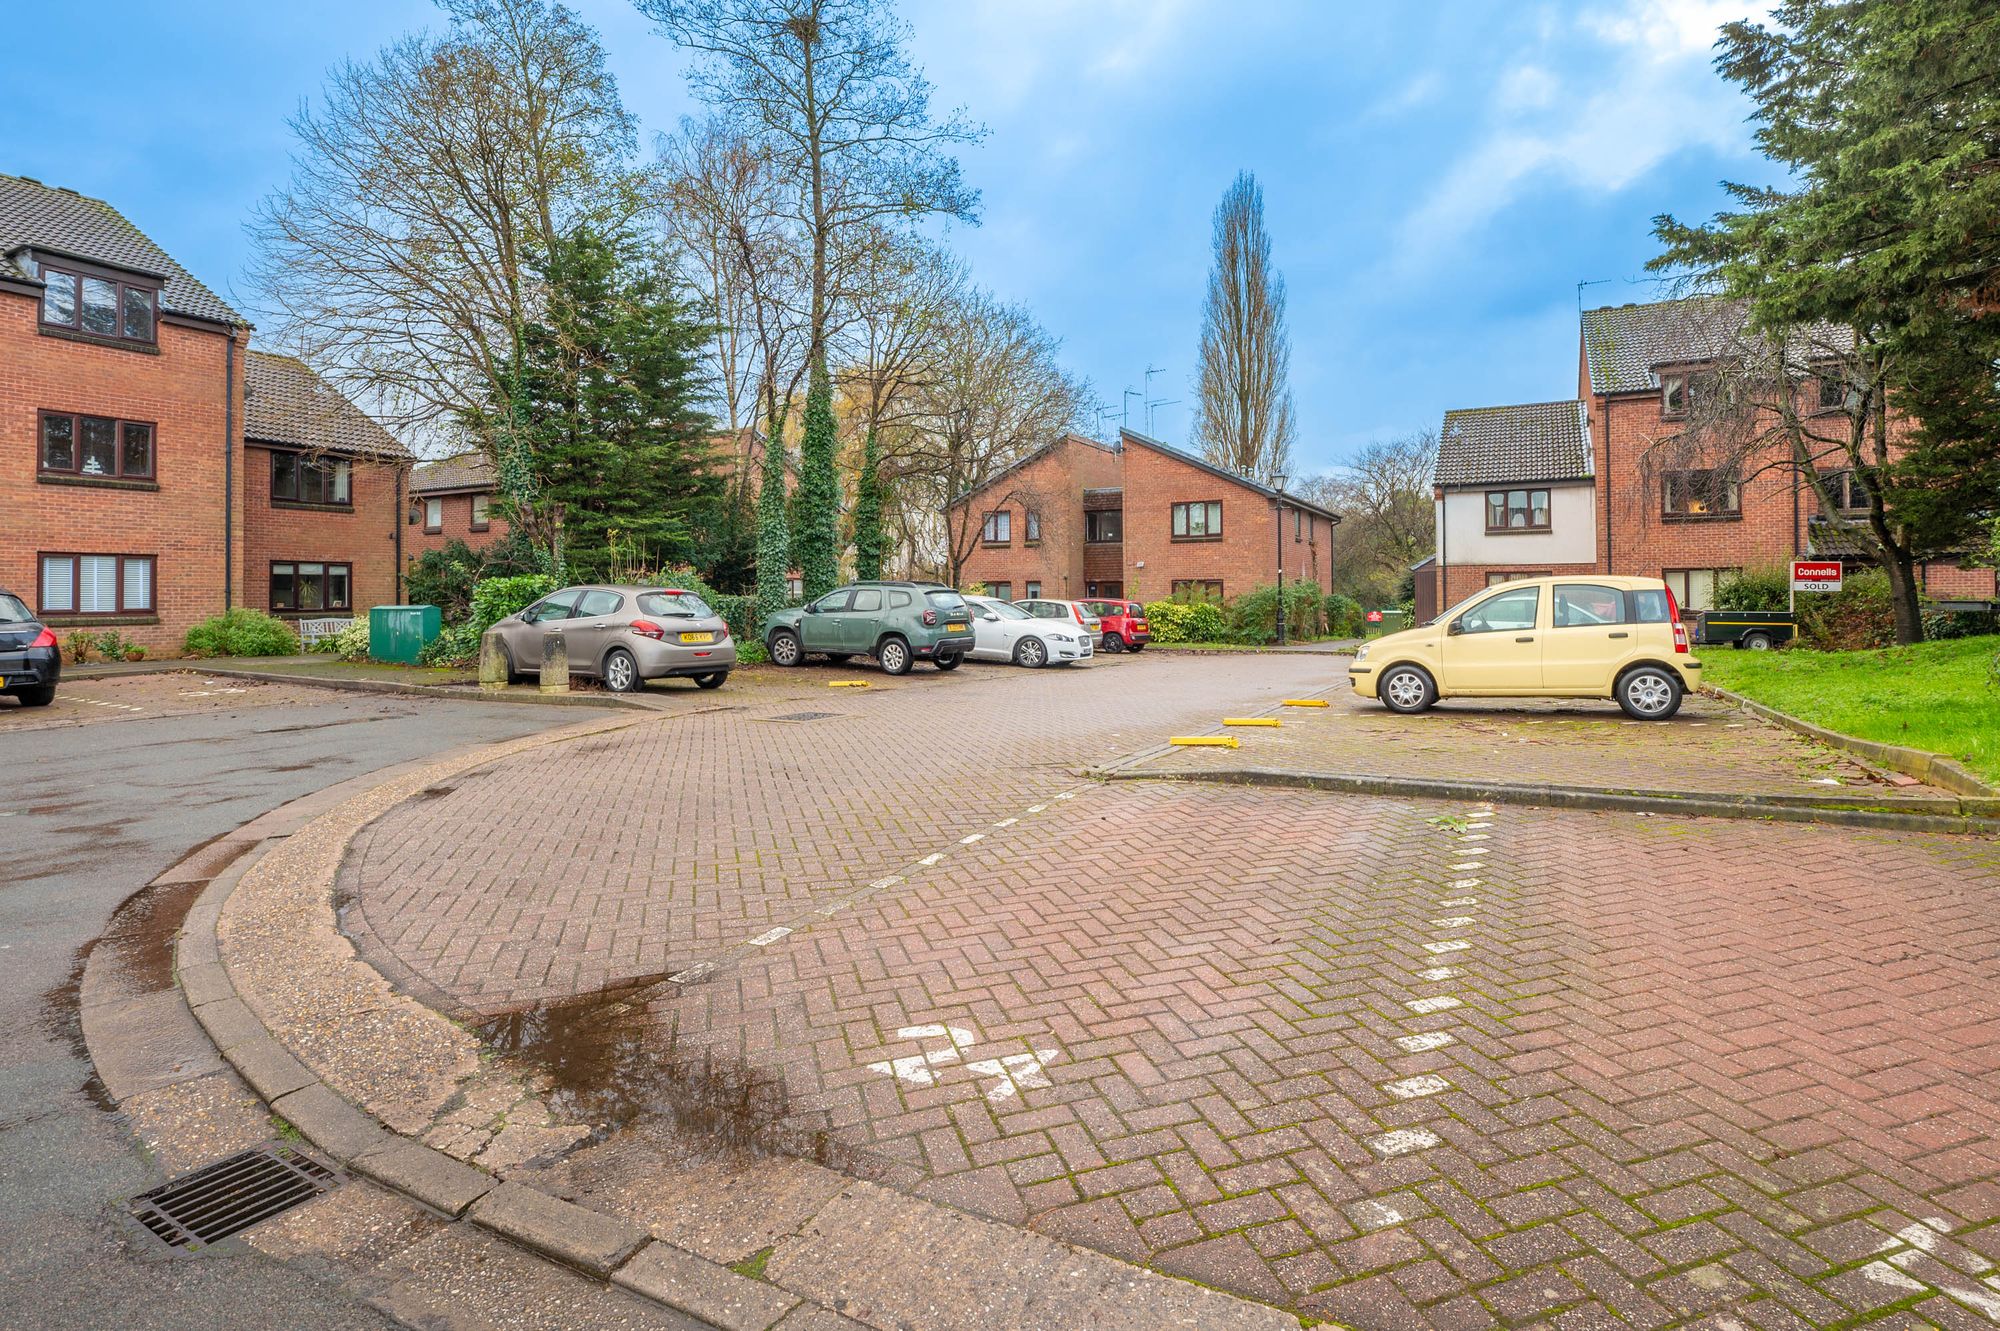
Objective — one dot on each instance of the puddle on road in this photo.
(615, 1059)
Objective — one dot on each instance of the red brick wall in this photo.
(180, 390)
(1245, 558)
(1955, 582)
(1463, 581)
(1052, 484)
(457, 526)
(364, 537)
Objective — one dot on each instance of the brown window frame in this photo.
(118, 423)
(1669, 513)
(1001, 590)
(77, 274)
(999, 520)
(1548, 506)
(1031, 527)
(1093, 526)
(1843, 484)
(76, 558)
(1211, 588)
(1501, 579)
(303, 460)
(473, 522)
(1838, 383)
(326, 583)
(423, 514)
(1668, 410)
(1182, 515)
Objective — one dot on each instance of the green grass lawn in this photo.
(1938, 696)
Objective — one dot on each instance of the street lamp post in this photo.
(1278, 484)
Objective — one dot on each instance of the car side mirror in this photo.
(812, 609)
(1456, 627)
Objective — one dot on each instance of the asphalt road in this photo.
(88, 814)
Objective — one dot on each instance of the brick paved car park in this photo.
(1390, 1063)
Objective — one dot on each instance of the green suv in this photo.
(897, 623)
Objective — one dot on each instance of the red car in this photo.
(1124, 624)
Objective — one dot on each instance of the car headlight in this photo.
(1361, 653)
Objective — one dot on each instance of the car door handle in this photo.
(1524, 640)
(1621, 635)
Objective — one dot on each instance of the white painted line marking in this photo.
(890, 881)
(1016, 1072)
(1461, 868)
(1066, 795)
(1466, 882)
(1403, 1141)
(1884, 1274)
(1439, 973)
(770, 936)
(1442, 1003)
(1376, 1215)
(1459, 901)
(968, 840)
(700, 970)
(1448, 945)
(931, 859)
(1452, 922)
(1415, 1088)
(1007, 822)
(1423, 1044)
(1037, 808)
(835, 907)
(1473, 836)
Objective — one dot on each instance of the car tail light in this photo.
(646, 628)
(930, 617)
(1674, 618)
(46, 638)
(722, 634)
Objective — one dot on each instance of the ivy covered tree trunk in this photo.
(819, 492)
(868, 511)
(774, 536)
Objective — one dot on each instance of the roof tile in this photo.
(1536, 441)
(284, 402)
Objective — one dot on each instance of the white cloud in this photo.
(1418, 91)
(1636, 89)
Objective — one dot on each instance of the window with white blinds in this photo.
(97, 584)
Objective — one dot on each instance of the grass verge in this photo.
(1942, 697)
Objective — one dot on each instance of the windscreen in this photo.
(945, 599)
(13, 610)
(677, 605)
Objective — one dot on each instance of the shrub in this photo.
(457, 645)
(445, 578)
(79, 646)
(1187, 621)
(1763, 589)
(1860, 615)
(350, 644)
(493, 599)
(1343, 616)
(241, 632)
(1253, 616)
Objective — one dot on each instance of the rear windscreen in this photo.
(946, 600)
(676, 604)
(13, 610)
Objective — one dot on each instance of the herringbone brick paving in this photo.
(1392, 1064)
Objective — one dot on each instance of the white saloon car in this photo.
(1003, 632)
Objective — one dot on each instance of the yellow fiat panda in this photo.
(1588, 635)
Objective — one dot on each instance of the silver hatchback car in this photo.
(624, 636)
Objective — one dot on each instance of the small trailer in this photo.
(1753, 630)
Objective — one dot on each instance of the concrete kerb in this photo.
(459, 693)
(1935, 769)
(1102, 1291)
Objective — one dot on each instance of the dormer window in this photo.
(1673, 395)
(99, 306)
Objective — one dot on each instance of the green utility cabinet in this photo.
(398, 632)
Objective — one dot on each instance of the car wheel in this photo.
(894, 654)
(1032, 653)
(949, 661)
(1649, 693)
(513, 676)
(783, 646)
(713, 681)
(40, 696)
(1113, 644)
(621, 672)
(1407, 689)
(1756, 642)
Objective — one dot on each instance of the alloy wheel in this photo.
(1406, 689)
(1649, 694)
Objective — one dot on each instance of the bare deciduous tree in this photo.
(1388, 516)
(1243, 414)
(396, 257)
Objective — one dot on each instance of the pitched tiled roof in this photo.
(284, 402)
(1127, 437)
(1538, 441)
(1622, 344)
(33, 215)
(464, 471)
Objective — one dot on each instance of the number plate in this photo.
(956, 628)
(697, 637)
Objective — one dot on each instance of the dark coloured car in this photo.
(30, 659)
(897, 623)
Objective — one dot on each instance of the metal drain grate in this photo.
(230, 1195)
(802, 716)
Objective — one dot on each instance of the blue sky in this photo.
(1437, 177)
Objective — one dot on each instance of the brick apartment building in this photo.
(1575, 486)
(140, 439)
(454, 499)
(1135, 519)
